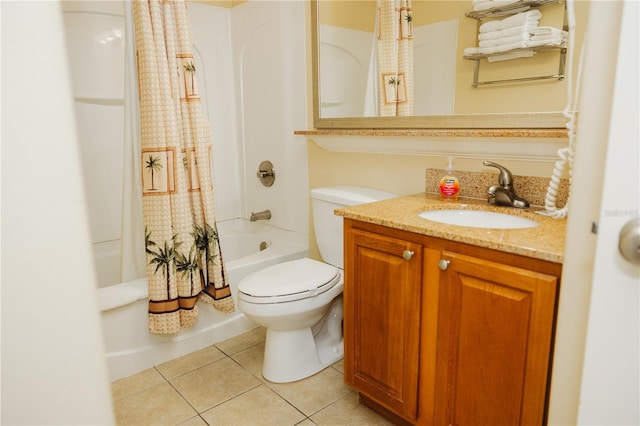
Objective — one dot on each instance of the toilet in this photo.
(299, 302)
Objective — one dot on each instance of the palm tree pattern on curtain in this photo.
(182, 245)
(395, 57)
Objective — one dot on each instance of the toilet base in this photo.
(297, 354)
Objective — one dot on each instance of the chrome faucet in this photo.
(263, 215)
(503, 194)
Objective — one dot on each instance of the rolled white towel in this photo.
(521, 18)
(504, 40)
(508, 32)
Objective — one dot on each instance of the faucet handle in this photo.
(505, 179)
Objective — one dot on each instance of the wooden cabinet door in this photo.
(495, 327)
(382, 319)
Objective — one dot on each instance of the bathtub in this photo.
(130, 348)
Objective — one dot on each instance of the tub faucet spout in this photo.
(263, 215)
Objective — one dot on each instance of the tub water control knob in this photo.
(443, 264)
(407, 255)
(266, 173)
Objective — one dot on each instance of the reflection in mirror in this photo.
(348, 69)
(346, 86)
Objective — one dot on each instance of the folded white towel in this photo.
(504, 40)
(521, 18)
(522, 44)
(539, 31)
(509, 56)
(489, 4)
(536, 43)
(496, 49)
(559, 39)
(508, 32)
(484, 5)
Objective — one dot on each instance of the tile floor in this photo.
(222, 385)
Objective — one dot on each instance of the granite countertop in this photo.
(545, 241)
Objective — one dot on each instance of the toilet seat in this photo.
(289, 281)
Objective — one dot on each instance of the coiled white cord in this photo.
(566, 153)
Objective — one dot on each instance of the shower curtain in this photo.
(395, 57)
(184, 262)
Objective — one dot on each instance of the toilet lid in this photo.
(293, 280)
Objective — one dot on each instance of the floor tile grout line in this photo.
(266, 384)
(287, 401)
(228, 399)
(189, 371)
(238, 351)
(168, 380)
(199, 413)
(184, 398)
(261, 381)
(246, 369)
(327, 406)
(307, 416)
(216, 345)
(147, 385)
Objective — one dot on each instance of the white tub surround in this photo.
(130, 348)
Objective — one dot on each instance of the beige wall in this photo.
(356, 15)
(399, 174)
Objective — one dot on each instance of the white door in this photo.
(610, 382)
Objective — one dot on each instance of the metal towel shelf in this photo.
(509, 10)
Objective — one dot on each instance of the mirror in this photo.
(444, 95)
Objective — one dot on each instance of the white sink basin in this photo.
(478, 219)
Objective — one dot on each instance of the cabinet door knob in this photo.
(443, 264)
(407, 255)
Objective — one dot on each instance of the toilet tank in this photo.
(327, 226)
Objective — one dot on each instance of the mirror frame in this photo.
(533, 120)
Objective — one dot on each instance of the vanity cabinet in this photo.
(493, 347)
(451, 335)
(382, 318)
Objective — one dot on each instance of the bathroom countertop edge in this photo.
(545, 241)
